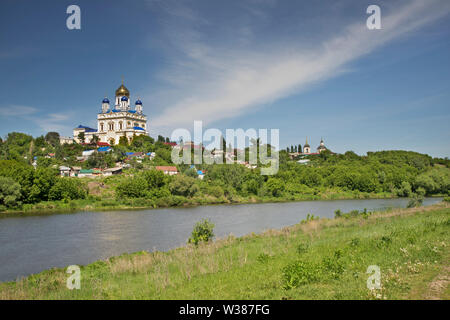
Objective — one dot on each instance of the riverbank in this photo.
(315, 259)
(99, 204)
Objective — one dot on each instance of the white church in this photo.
(117, 121)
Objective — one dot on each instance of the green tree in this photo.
(275, 187)
(44, 180)
(182, 186)
(52, 138)
(82, 137)
(123, 141)
(67, 188)
(9, 193)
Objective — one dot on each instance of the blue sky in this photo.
(308, 68)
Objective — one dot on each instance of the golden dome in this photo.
(122, 91)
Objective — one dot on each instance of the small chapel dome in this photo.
(105, 100)
(124, 98)
(139, 102)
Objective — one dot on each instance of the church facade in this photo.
(116, 121)
(307, 148)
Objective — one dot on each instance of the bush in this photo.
(182, 186)
(215, 191)
(132, 188)
(203, 232)
(300, 273)
(67, 188)
(415, 201)
(9, 193)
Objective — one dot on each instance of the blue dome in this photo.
(139, 102)
(124, 98)
(105, 100)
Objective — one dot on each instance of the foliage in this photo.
(135, 187)
(415, 201)
(203, 232)
(67, 188)
(9, 193)
(183, 186)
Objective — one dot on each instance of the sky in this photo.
(308, 68)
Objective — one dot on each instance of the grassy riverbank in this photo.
(102, 204)
(316, 259)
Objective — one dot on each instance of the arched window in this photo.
(101, 126)
(120, 126)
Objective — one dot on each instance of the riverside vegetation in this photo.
(315, 259)
(327, 176)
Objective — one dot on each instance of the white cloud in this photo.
(212, 82)
(53, 121)
(17, 110)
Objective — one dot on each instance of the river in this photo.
(31, 244)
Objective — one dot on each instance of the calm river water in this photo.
(30, 244)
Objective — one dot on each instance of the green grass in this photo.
(315, 259)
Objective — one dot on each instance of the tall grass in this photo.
(316, 259)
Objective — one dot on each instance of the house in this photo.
(64, 171)
(104, 149)
(151, 155)
(201, 174)
(137, 155)
(75, 171)
(112, 171)
(172, 144)
(170, 170)
(88, 153)
(65, 140)
(85, 173)
(303, 161)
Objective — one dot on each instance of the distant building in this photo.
(65, 140)
(170, 170)
(307, 148)
(116, 122)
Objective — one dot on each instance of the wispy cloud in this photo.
(17, 111)
(212, 82)
(53, 121)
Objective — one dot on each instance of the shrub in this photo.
(302, 248)
(333, 266)
(300, 273)
(67, 188)
(275, 187)
(132, 188)
(9, 193)
(181, 185)
(216, 191)
(263, 258)
(203, 232)
(415, 201)
(338, 213)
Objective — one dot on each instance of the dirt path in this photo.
(440, 283)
